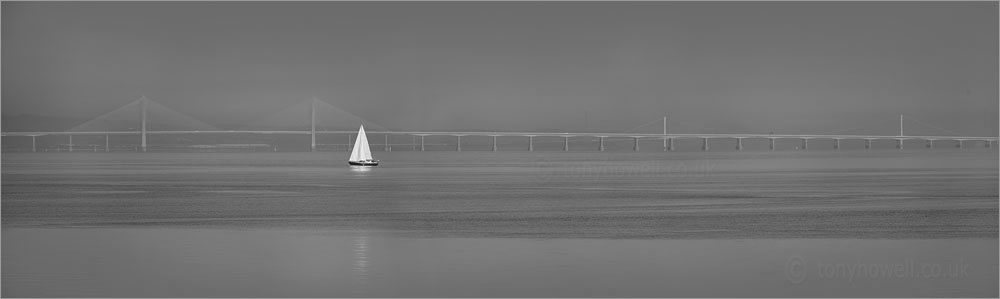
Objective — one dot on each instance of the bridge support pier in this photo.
(836, 144)
(772, 144)
(459, 148)
(739, 144)
(704, 144)
(531, 144)
(32, 144)
(387, 147)
(958, 144)
(107, 143)
(565, 143)
(601, 148)
(868, 144)
(805, 144)
(635, 145)
(930, 144)
(494, 143)
(988, 143)
(421, 143)
(71, 144)
(670, 144)
(899, 143)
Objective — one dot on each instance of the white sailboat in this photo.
(362, 154)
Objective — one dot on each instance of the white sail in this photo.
(361, 151)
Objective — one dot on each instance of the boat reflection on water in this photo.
(360, 269)
(361, 170)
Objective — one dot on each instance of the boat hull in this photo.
(363, 163)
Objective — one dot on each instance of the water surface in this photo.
(473, 224)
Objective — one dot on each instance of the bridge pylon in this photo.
(142, 104)
(312, 124)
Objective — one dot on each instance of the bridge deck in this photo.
(527, 134)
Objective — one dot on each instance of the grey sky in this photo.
(795, 67)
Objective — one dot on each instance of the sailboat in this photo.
(362, 154)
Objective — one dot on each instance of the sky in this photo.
(714, 67)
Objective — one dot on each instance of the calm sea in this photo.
(506, 224)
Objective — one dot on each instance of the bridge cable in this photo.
(932, 126)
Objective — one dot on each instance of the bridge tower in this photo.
(312, 125)
(142, 105)
(665, 146)
(900, 125)
(899, 142)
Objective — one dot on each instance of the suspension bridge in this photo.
(139, 117)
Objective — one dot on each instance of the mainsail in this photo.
(361, 151)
